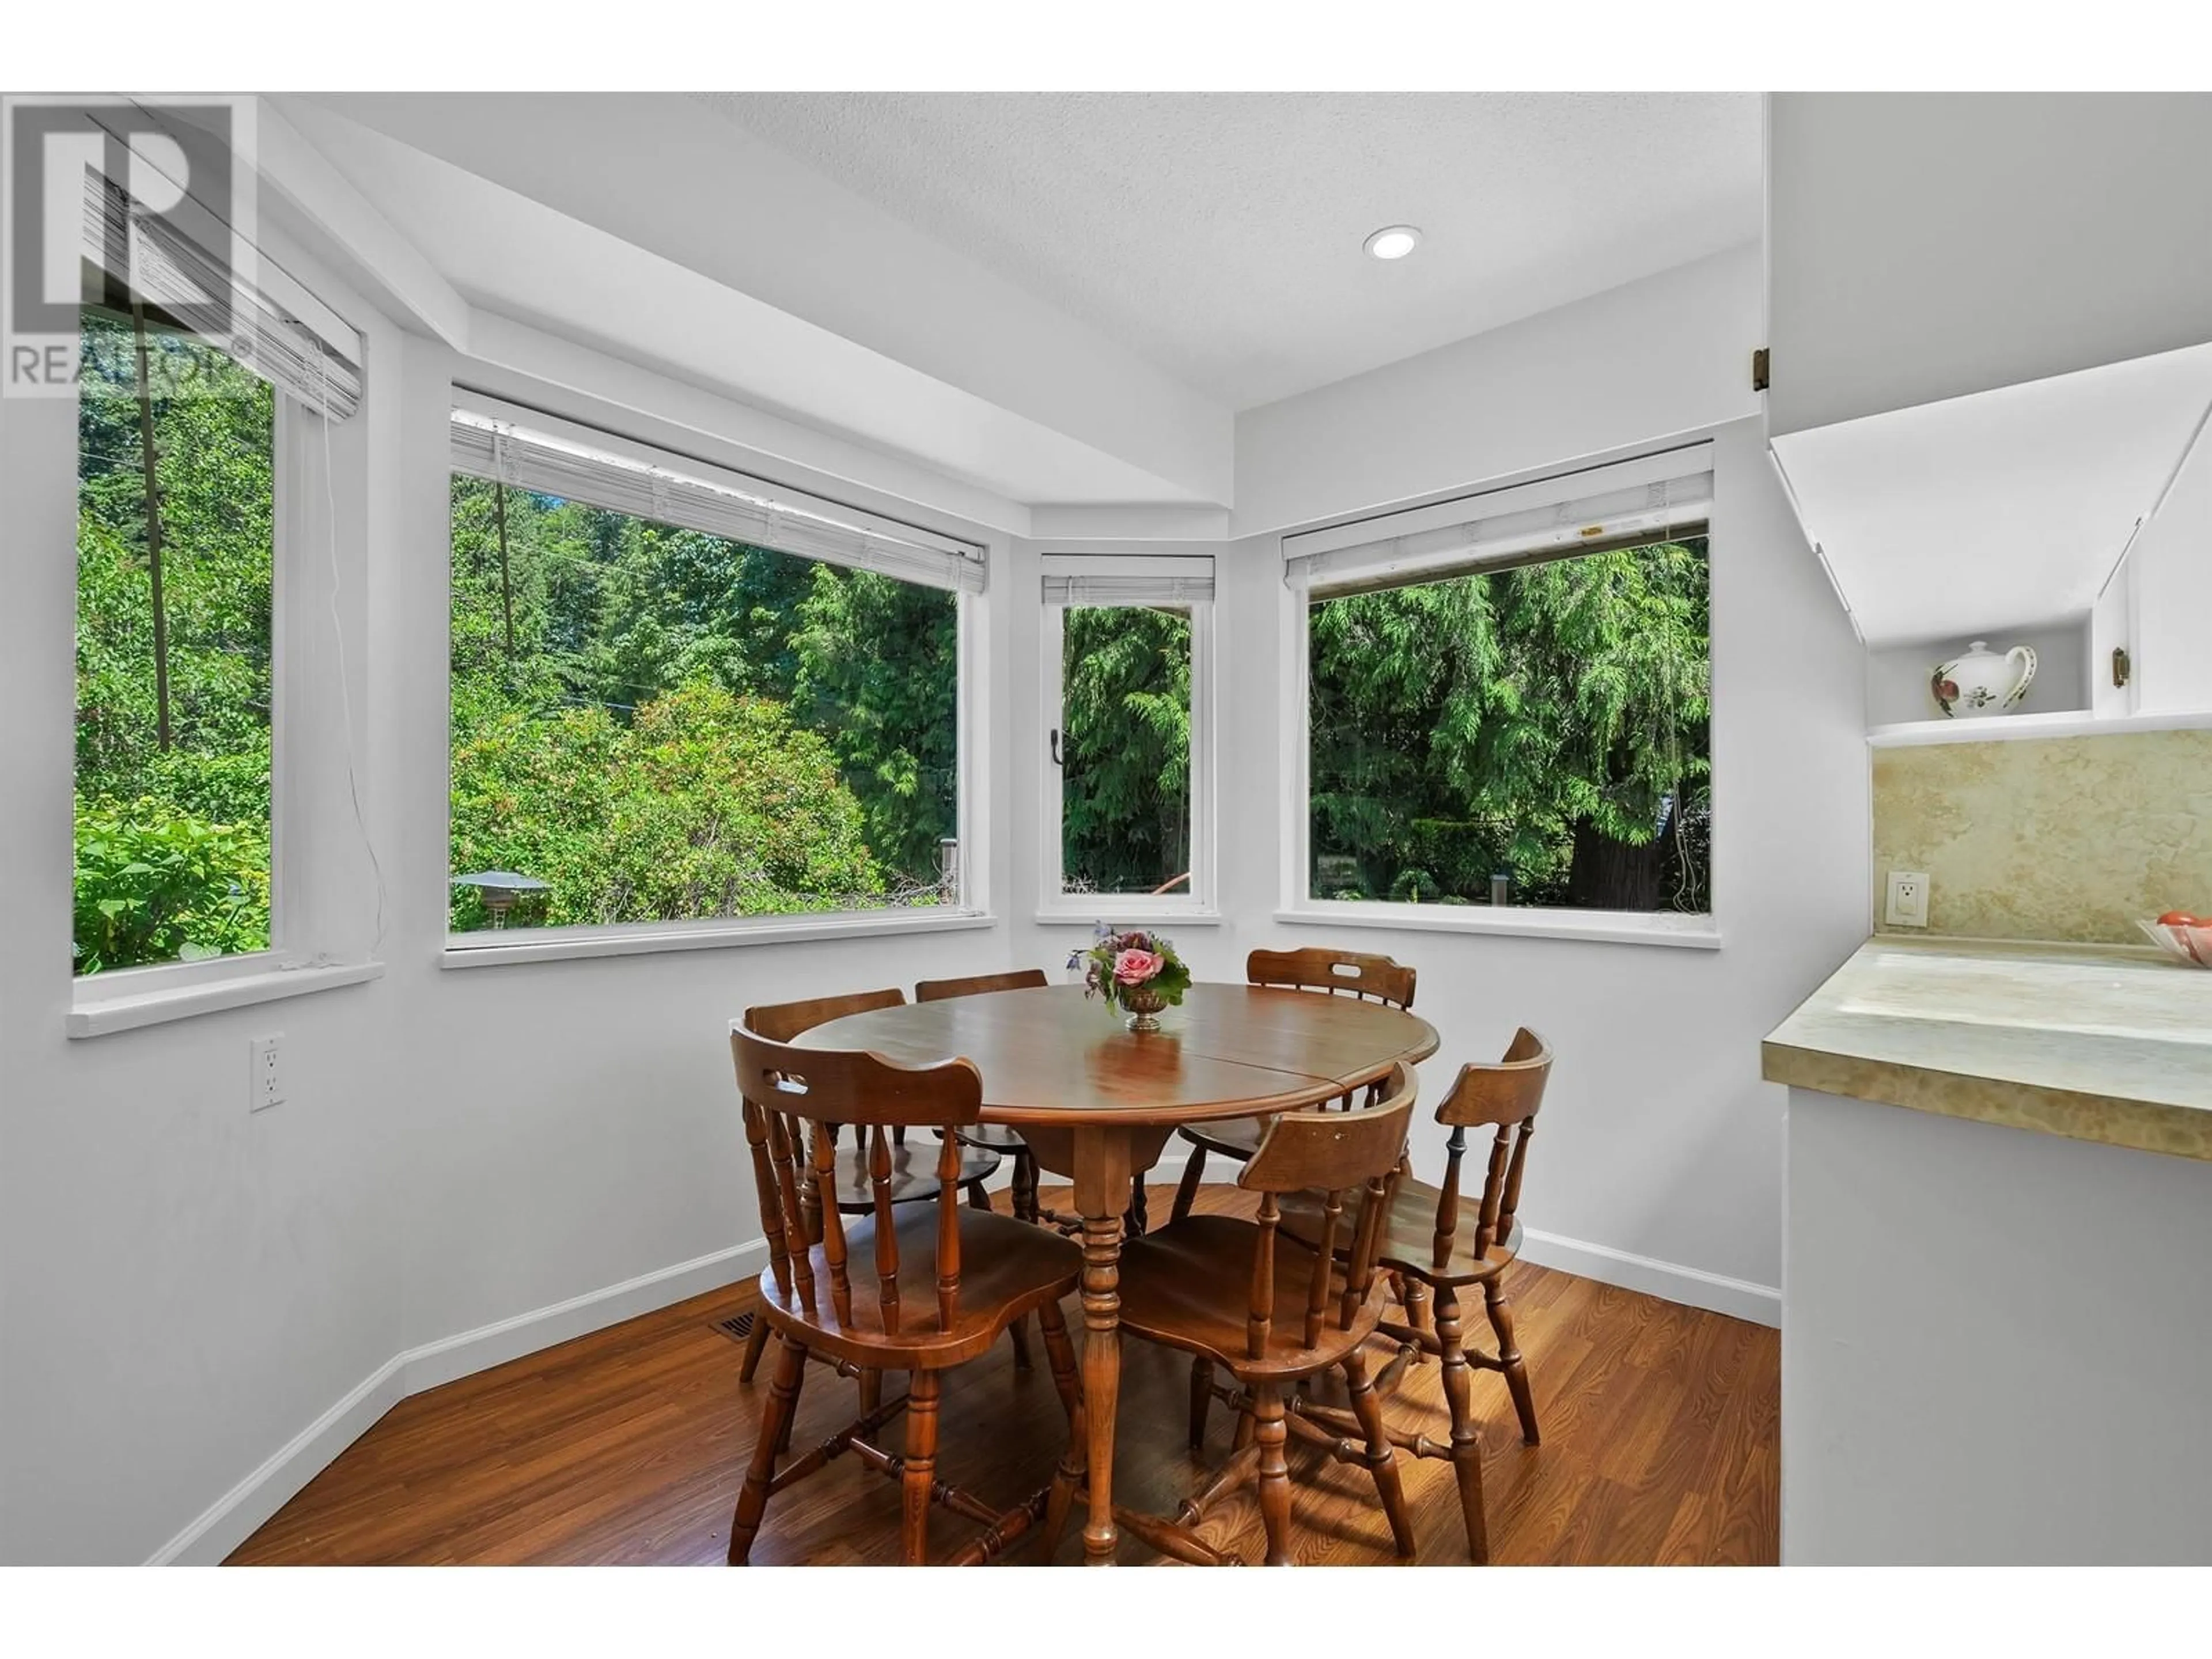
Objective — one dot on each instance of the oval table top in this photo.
(1052, 1057)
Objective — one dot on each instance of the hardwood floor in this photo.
(1660, 1435)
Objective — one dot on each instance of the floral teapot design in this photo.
(1982, 681)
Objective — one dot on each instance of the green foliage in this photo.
(620, 626)
(195, 814)
(707, 805)
(1125, 773)
(154, 884)
(1549, 722)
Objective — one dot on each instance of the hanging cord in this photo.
(337, 632)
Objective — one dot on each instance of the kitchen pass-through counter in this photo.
(1996, 1324)
(2093, 1042)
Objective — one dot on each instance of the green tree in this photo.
(195, 814)
(1125, 747)
(1550, 721)
(706, 804)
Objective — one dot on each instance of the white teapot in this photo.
(1981, 682)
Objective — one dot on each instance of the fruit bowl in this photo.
(2191, 943)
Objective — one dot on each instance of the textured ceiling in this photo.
(1218, 234)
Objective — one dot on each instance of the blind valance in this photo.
(528, 451)
(171, 272)
(1162, 579)
(1627, 504)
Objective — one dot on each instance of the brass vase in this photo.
(1142, 1006)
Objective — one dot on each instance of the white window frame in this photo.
(1201, 902)
(311, 817)
(499, 947)
(1297, 904)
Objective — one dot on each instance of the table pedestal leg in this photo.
(1102, 1189)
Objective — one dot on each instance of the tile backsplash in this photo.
(2048, 838)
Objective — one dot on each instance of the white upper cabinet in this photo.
(1922, 246)
(1989, 319)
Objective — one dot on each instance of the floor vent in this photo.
(737, 1327)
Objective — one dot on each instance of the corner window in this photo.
(1507, 699)
(200, 528)
(1128, 702)
(684, 696)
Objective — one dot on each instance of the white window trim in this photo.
(1199, 907)
(497, 947)
(1297, 906)
(512, 946)
(308, 795)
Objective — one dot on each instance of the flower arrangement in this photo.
(1137, 972)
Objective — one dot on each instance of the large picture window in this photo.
(1512, 707)
(1126, 646)
(680, 698)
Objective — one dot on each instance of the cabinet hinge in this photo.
(2121, 665)
(1759, 369)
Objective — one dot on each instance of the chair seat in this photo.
(1235, 1138)
(1189, 1286)
(991, 1137)
(1007, 1268)
(913, 1173)
(1409, 1235)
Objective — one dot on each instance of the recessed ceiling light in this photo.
(1393, 241)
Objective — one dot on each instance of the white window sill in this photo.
(94, 1017)
(1598, 926)
(508, 946)
(1136, 913)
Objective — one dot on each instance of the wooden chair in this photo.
(1271, 1311)
(993, 1137)
(946, 1282)
(913, 1177)
(1337, 973)
(1423, 1242)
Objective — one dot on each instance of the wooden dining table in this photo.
(1096, 1103)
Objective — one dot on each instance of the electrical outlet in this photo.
(264, 1080)
(1908, 899)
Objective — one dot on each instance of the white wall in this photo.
(1996, 1345)
(183, 1287)
(1670, 354)
(1925, 245)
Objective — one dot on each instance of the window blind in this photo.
(167, 270)
(528, 451)
(1628, 504)
(1141, 580)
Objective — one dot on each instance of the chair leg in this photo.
(1187, 1189)
(1025, 1185)
(1202, 1399)
(1018, 1334)
(871, 1391)
(797, 1388)
(752, 1497)
(1500, 1310)
(920, 1471)
(1275, 1472)
(1060, 1352)
(756, 1342)
(1381, 1456)
(1414, 1297)
(1466, 1443)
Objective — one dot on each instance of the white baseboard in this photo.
(232, 1518)
(1692, 1286)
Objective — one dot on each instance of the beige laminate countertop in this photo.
(2090, 1042)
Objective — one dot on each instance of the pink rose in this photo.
(1135, 967)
